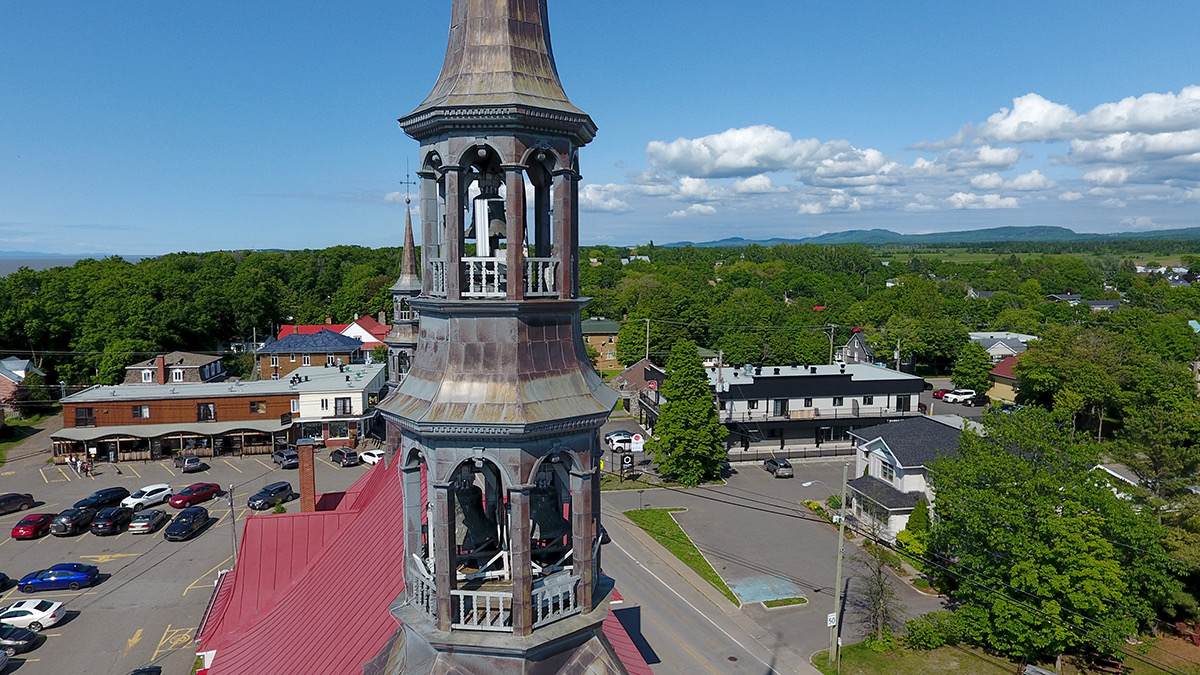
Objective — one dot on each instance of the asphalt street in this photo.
(152, 592)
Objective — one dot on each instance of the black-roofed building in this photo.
(785, 407)
(892, 463)
(323, 348)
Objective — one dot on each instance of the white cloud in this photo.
(1110, 176)
(838, 200)
(983, 157)
(1113, 203)
(756, 185)
(693, 210)
(970, 200)
(735, 152)
(602, 198)
(1032, 118)
(987, 181)
(1070, 196)
(1127, 147)
(1141, 223)
(394, 198)
(1034, 180)
(698, 190)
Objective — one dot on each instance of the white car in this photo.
(148, 496)
(32, 614)
(958, 396)
(371, 456)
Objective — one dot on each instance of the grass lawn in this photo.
(16, 430)
(858, 659)
(659, 524)
(784, 602)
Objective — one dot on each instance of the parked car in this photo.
(780, 468)
(191, 464)
(33, 614)
(148, 670)
(72, 521)
(621, 436)
(15, 502)
(105, 498)
(72, 576)
(286, 459)
(187, 523)
(939, 393)
(15, 640)
(1010, 408)
(958, 395)
(270, 495)
(371, 456)
(32, 526)
(147, 521)
(148, 496)
(194, 494)
(344, 457)
(112, 521)
(978, 400)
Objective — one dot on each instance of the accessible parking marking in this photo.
(172, 640)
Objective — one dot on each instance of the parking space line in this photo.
(167, 468)
(43, 472)
(264, 464)
(64, 473)
(233, 467)
(205, 575)
(130, 467)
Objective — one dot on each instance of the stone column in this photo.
(427, 205)
(583, 533)
(413, 510)
(514, 214)
(452, 245)
(445, 563)
(522, 570)
(564, 245)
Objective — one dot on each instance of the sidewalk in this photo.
(36, 448)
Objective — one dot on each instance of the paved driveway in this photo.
(758, 536)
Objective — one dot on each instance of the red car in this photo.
(940, 393)
(194, 494)
(33, 526)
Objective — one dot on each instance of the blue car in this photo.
(72, 576)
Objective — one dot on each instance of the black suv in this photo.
(112, 521)
(72, 521)
(103, 498)
(344, 457)
(275, 493)
(978, 401)
(286, 459)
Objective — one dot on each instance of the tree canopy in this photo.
(688, 442)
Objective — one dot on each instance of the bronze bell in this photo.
(545, 511)
(475, 530)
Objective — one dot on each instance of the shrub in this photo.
(933, 630)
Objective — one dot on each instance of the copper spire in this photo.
(410, 279)
(499, 54)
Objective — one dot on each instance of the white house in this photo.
(1001, 344)
(891, 462)
(332, 402)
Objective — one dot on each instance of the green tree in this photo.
(1046, 557)
(972, 368)
(32, 396)
(688, 442)
(1158, 447)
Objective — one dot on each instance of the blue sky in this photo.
(149, 127)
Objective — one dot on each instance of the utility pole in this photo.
(831, 329)
(233, 524)
(836, 629)
(897, 352)
(647, 340)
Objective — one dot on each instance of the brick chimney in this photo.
(307, 477)
(295, 330)
(382, 317)
(161, 363)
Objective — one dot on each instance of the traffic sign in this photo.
(831, 620)
(627, 459)
(637, 443)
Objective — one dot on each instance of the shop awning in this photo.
(151, 431)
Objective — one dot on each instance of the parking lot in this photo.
(151, 592)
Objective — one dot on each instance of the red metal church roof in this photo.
(303, 577)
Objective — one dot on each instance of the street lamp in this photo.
(834, 623)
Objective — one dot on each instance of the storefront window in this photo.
(312, 430)
(339, 430)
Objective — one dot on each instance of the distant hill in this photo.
(994, 234)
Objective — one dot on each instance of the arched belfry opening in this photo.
(497, 420)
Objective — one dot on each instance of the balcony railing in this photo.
(423, 594)
(482, 610)
(437, 280)
(555, 599)
(541, 277)
(485, 278)
(846, 412)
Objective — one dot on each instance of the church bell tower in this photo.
(495, 426)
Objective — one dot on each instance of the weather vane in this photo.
(407, 183)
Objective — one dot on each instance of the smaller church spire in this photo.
(410, 279)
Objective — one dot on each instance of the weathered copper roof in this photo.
(409, 280)
(499, 55)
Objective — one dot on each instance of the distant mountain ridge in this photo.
(984, 236)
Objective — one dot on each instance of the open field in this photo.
(964, 255)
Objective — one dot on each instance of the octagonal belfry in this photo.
(496, 424)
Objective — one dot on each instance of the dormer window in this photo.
(177, 375)
(147, 376)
